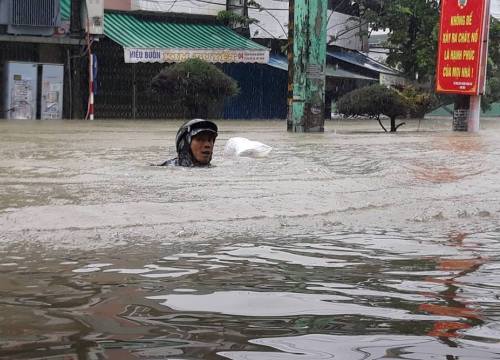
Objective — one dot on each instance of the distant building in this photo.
(272, 16)
(147, 36)
(37, 59)
(348, 66)
(140, 37)
(191, 8)
(378, 49)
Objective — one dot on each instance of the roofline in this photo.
(389, 72)
(61, 40)
(165, 15)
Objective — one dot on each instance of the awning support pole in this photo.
(134, 93)
(91, 84)
(90, 102)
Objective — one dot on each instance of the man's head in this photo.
(195, 142)
(202, 146)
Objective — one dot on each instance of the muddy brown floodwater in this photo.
(352, 244)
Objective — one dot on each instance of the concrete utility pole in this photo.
(474, 117)
(467, 111)
(309, 63)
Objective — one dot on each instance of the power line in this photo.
(256, 8)
(215, 3)
(171, 6)
(341, 3)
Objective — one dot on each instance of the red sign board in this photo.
(461, 35)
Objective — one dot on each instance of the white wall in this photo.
(193, 7)
(273, 23)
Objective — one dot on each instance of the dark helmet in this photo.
(191, 128)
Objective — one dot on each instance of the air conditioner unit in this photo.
(93, 16)
(33, 17)
(4, 12)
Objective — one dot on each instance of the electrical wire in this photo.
(171, 6)
(267, 10)
(275, 18)
(274, 37)
(213, 3)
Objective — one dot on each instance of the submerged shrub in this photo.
(374, 101)
(199, 87)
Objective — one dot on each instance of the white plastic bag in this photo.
(239, 146)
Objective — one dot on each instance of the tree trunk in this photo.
(393, 124)
(380, 123)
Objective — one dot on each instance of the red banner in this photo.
(461, 35)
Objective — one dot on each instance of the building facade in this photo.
(36, 56)
(141, 37)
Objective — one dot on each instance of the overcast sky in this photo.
(495, 8)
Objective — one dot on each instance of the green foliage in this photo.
(493, 72)
(420, 100)
(374, 101)
(232, 19)
(197, 86)
(413, 32)
(494, 46)
(227, 17)
(413, 37)
(492, 93)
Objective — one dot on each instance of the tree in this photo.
(373, 101)
(197, 86)
(413, 33)
(421, 99)
(413, 37)
(234, 20)
(493, 72)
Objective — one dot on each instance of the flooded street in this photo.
(353, 244)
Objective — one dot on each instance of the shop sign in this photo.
(133, 55)
(460, 69)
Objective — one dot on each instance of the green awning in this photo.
(159, 41)
(65, 6)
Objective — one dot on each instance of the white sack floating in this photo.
(242, 147)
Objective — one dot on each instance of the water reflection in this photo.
(200, 298)
(281, 304)
(233, 298)
(312, 347)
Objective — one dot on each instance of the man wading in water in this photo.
(195, 144)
